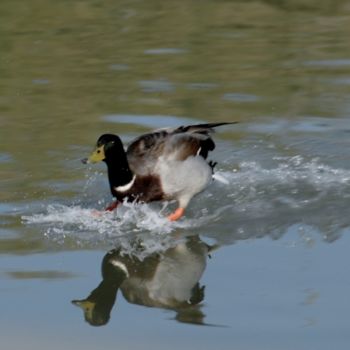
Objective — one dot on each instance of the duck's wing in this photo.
(170, 144)
(198, 128)
(144, 152)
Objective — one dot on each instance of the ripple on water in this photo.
(165, 51)
(151, 121)
(308, 124)
(6, 208)
(202, 86)
(156, 86)
(41, 81)
(240, 97)
(336, 63)
(5, 158)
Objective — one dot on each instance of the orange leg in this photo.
(176, 215)
(112, 206)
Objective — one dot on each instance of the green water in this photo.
(72, 70)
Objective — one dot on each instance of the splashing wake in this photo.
(249, 201)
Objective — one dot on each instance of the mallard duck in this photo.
(168, 280)
(167, 164)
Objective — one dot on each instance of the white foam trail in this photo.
(255, 201)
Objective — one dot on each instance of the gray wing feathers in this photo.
(144, 152)
(173, 143)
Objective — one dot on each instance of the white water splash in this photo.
(83, 227)
(248, 201)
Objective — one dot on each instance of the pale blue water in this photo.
(277, 212)
(250, 302)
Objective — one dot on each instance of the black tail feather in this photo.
(202, 128)
(207, 145)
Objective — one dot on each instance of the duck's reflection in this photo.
(169, 280)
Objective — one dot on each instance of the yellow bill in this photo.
(98, 155)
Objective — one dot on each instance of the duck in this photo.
(167, 279)
(163, 165)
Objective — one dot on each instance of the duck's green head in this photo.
(106, 144)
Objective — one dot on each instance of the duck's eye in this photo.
(98, 151)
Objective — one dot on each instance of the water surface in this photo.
(260, 259)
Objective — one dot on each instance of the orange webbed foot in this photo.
(177, 214)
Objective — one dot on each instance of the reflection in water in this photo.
(168, 280)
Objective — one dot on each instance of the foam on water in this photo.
(246, 202)
(87, 227)
(268, 201)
